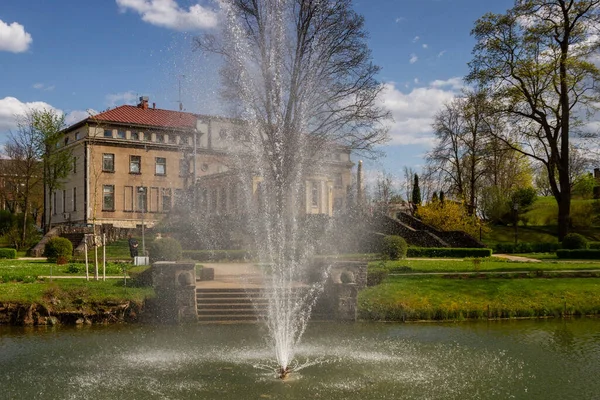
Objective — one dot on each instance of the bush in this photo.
(217, 255)
(594, 245)
(524, 247)
(447, 252)
(59, 249)
(376, 275)
(165, 249)
(578, 254)
(574, 241)
(8, 253)
(394, 247)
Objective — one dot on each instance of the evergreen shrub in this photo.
(8, 253)
(574, 241)
(59, 250)
(394, 247)
(165, 249)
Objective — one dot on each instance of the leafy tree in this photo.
(535, 60)
(583, 186)
(524, 197)
(450, 216)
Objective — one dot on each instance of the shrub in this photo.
(594, 245)
(347, 277)
(523, 247)
(578, 254)
(8, 253)
(574, 241)
(165, 249)
(394, 247)
(376, 275)
(217, 255)
(447, 252)
(58, 249)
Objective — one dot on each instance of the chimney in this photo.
(153, 106)
(143, 102)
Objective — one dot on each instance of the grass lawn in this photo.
(72, 292)
(28, 271)
(118, 250)
(491, 264)
(419, 298)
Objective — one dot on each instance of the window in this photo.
(74, 199)
(315, 194)
(121, 134)
(338, 181)
(184, 167)
(128, 198)
(161, 166)
(108, 197)
(108, 162)
(74, 165)
(135, 136)
(153, 199)
(135, 166)
(54, 202)
(166, 199)
(66, 140)
(142, 199)
(172, 138)
(108, 133)
(160, 137)
(77, 135)
(64, 201)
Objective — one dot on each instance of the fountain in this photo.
(298, 76)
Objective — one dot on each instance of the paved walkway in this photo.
(233, 275)
(547, 271)
(516, 258)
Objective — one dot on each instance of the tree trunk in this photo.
(25, 211)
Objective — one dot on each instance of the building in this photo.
(132, 163)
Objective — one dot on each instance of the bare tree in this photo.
(536, 62)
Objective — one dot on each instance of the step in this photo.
(239, 300)
(231, 306)
(216, 311)
(227, 318)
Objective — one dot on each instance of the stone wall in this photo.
(175, 287)
(339, 300)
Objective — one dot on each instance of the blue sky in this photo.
(75, 55)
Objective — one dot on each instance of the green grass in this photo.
(435, 298)
(486, 264)
(72, 292)
(118, 250)
(28, 271)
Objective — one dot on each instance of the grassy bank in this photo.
(475, 265)
(29, 271)
(436, 298)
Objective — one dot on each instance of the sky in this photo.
(86, 56)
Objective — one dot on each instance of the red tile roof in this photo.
(149, 117)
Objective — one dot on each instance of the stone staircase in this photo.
(74, 238)
(221, 305)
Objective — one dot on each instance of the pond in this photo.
(536, 359)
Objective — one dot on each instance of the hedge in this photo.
(594, 245)
(523, 247)
(8, 253)
(217, 255)
(580, 254)
(447, 252)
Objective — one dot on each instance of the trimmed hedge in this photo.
(8, 253)
(394, 247)
(217, 255)
(575, 241)
(578, 254)
(165, 249)
(523, 247)
(376, 275)
(594, 245)
(59, 249)
(447, 252)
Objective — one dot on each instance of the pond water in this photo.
(538, 359)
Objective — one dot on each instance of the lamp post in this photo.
(516, 222)
(142, 191)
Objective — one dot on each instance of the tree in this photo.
(416, 193)
(47, 126)
(24, 170)
(535, 61)
(450, 216)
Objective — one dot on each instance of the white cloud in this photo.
(416, 80)
(455, 83)
(11, 108)
(75, 116)
(118, 99)
(425, 45)
(441, 53)
(13, 37)
(42, 86)
(168, 14)
(400, 19)
(416, 39)
(413, 58)
(413, 112)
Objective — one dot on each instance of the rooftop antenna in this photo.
(179, 101)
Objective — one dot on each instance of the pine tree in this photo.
(416, 193)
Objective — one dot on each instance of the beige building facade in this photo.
(132, 164)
